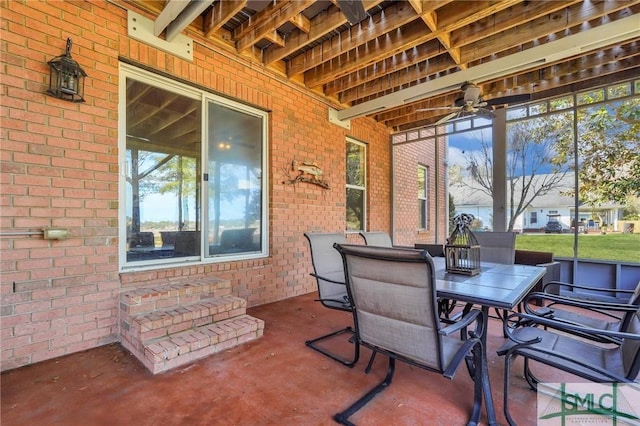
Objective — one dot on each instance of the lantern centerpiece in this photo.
(462, 251)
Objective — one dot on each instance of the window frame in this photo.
(423, 212)
(205, 97)
(362, 188)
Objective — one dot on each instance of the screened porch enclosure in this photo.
(570, 159)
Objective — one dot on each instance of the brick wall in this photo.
(60, 168)
(413, 149)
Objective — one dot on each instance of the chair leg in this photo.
(343, 417)
(531, 379)
(486, 387)
(475, 369)
(507, 369)
(343, 361)
(370, 363)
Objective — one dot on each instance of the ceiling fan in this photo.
(472, 103)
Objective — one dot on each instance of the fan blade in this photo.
(435, 109)
(472, 94)
(486, 113)
(513, 99)
(448, 117)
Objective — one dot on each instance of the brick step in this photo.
(188, 346)
(171, 292)
(206, 310)
(174, 322)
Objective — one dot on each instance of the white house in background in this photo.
(469, 197)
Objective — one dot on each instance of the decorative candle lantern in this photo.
(66, 78)
(462, 250)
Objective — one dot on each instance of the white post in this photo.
(500, 171)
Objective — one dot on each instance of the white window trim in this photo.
(426, 196)
(130, 71)
(363, 188)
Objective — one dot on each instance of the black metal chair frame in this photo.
(621, 313)
(471, 352)
(566, 362)
(337, 304)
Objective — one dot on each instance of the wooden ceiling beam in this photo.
(321, 25)
(473, 12)
(597, 66)
(540, 28)
(416, 73)
(627, 53)
(458, 15)
(505, 20)
(393, 43)
(220, 13)
(268, 22)
(381, 24)
(596, 80)
(255, 21)
(442, 34)
(385, 68)
(301, 22)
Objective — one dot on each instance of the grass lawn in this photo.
(620, 247)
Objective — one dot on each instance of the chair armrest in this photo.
(557, 285)
(324, 278)
(580, 303)
(566, 327)
(472, 316)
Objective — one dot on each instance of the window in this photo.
(423, 206)
(356, 185)
(534, 218)
(176, 206)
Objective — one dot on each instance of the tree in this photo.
(533, 167)
(452, 213)
(608, 152)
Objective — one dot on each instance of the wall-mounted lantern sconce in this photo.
(66, 78)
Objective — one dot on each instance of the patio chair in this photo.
(377, 238)
(332, 291)
(497, 247)
(595, 311)
(543, 259)
(395, 313)
(435, 250)
(589, 360)
(141, 239)
(187, 243)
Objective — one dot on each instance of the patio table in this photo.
(496, 286)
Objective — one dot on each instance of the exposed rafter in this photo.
(415, 51)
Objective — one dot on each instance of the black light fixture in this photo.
(66, 78)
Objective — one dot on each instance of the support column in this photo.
(500, 171)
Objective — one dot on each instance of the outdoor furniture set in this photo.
(393, 294)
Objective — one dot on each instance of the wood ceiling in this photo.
(403, 44)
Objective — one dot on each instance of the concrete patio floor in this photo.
(276, 380)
